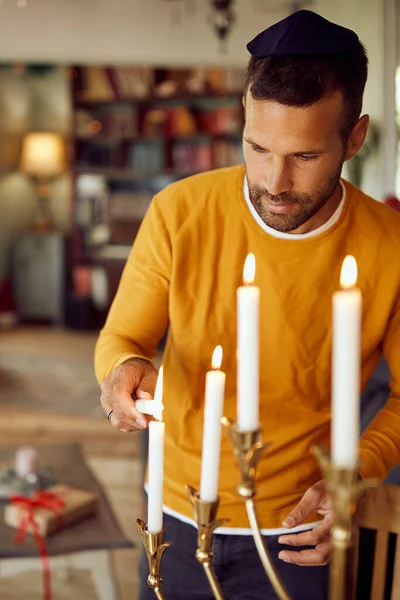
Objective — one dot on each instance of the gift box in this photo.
(49, 510)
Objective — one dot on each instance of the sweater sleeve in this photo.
(138, 316)
(380, 442)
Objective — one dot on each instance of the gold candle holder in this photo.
(345, 488)
(155, 547)
(206, 518)
(248, 448)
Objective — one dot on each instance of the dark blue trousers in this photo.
(236, 565)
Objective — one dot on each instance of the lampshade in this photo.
(43, 155)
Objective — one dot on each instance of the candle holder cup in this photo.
(155, 547)
(345, 488)
(206, 518)
(248, 448)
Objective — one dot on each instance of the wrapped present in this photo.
(48, 511)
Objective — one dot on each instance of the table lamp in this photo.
(43, 159)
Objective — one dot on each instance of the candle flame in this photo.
(216, 360)
(158, 396)
(249, 269)
(348, 275)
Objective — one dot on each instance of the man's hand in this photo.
(135, 377)
(316, 499)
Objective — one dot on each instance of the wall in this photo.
(126, 31)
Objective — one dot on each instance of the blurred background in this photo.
(102, 104)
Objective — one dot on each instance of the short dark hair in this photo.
(303, 79)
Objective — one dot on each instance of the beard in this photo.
(305, 206)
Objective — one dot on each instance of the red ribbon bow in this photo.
(40, 499)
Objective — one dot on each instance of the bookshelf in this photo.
(135, 130)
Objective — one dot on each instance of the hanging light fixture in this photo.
(223, 18)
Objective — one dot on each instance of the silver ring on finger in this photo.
(109, 414)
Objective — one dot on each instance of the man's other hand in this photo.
(315, 500)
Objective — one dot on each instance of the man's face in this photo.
(294, 157)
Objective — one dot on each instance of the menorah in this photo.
(343, 484)
(340, 472)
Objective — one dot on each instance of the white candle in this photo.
(214, 402)
(248, 350)
(153, 407)
(346, 331)
(156, 468)
(26, 461)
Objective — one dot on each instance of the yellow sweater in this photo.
(184, 268)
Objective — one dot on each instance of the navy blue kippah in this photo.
(303, 32)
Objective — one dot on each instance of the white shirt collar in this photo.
(293, 236)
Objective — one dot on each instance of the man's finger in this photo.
(311, 537)
(147, 386)
(307, 505)
(126, 411)
(116, 418)
(308, 558)
(119, 423)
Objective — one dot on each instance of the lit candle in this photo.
(248, 349)
(214, 402)
(156, 467)
(346, 331)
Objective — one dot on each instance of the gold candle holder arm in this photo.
(345, 488)
(158, 593)
(206, 518)
(155, 547)
(248, 448)
(263, 552)
(212, 580)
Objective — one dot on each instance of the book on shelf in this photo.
(183, 119)
(199, 80)
(99, 154)
(146, 156)
(105, 83)
(190, 158)
(98, 83)
(227, 153)
(119, 120)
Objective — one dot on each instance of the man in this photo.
(288, 205)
